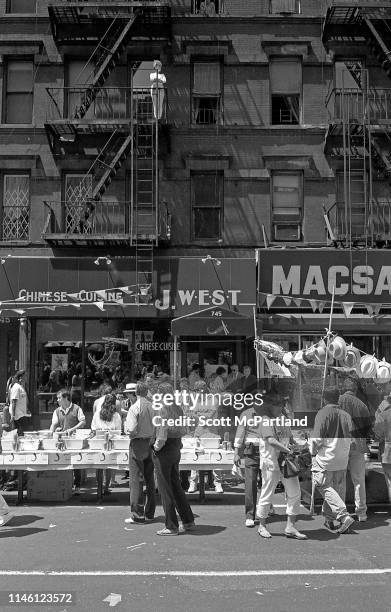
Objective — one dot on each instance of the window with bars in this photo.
(207, 205)
(207, 8)
(15, 222)
(79, 211)
(284, 6)
(285, 88)
(22, 6)
(19, 91)
(287, 205)
(206, 93)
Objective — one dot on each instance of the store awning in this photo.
(213, 322)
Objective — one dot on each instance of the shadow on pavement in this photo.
(205, 530)
(24, 519)
(19, 532)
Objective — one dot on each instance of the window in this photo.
(21, 6)
(19, 91)
(207, 204)
(206, 93)
(356, 208)
(284, 6)
(16, 207)
(285, 87)
(287, 205)
(207, 8)
(79, 217)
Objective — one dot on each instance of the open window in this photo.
(207, 8)
(287, 206)
(206, 93)
(284, 7)
(285, 88)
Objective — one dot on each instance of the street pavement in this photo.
(86, 549)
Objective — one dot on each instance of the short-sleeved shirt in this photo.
(99, 424)
(267, 453)
(19, 394)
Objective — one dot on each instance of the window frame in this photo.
(4, 174)
(219, 98)
(297, 10)
(287, 222)
(9, 11)
(219, 11)
(219, 205)
(281, 58)
(6, 93)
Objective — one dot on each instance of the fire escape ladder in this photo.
(105, 57)
(111, 162)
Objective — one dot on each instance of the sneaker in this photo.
(219, 487)
(362, 518)
(76, 491)
(167, 532)
(5, 518)
(263, 532)
(193, 488)
(250, 523)
(135, 519)
(346, 523)
(329, 525)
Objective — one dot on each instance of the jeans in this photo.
(332, 487)
(356, 466)
(251, 471)
(166, 463)
(195, 476)
(387, 474)
(140, 463)
(270, 479)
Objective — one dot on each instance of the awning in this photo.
(213, 322)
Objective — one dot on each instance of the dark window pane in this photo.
(285, 110)
(19, 108)
(21, 6)
(206, 111)
(206, 223)
(207, 190)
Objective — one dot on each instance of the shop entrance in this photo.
(211, 354)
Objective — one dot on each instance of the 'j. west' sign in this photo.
(310, 273)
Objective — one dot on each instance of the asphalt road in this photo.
(87, 550)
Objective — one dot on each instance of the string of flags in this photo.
(133, 291)
(332, 349)
(373, 309)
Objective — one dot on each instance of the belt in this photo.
(253, 441)
(149, 437)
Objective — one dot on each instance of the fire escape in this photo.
(117, 123)
(359, 130)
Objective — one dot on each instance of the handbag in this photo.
(289, 465)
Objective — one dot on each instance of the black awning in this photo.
(213, 321)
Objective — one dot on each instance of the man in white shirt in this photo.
(18, 403)
(330, 446)
(139, 426)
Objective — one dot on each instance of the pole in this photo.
(175, 364)
(256, 350)
(327, 345)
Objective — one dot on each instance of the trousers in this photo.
(332, 487)
(356, 466)
(251, 471)
(387, 475)
(141, 464)
(270, 479)
(173, 497)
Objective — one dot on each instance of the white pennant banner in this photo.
(373, 309)
(347, 308)
(314, 305)
(100, 305)
(270, 299)
(297, 302)
(321, 306)
(287, 300)
(101, 293)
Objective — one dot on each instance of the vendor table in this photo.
(38, 461)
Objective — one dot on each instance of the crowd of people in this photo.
(336, 445)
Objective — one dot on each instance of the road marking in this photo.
(217, 574)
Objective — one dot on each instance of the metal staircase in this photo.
(110, 161)
(105, 57)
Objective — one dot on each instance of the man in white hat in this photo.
(362, 423)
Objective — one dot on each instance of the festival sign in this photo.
(355, 275)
